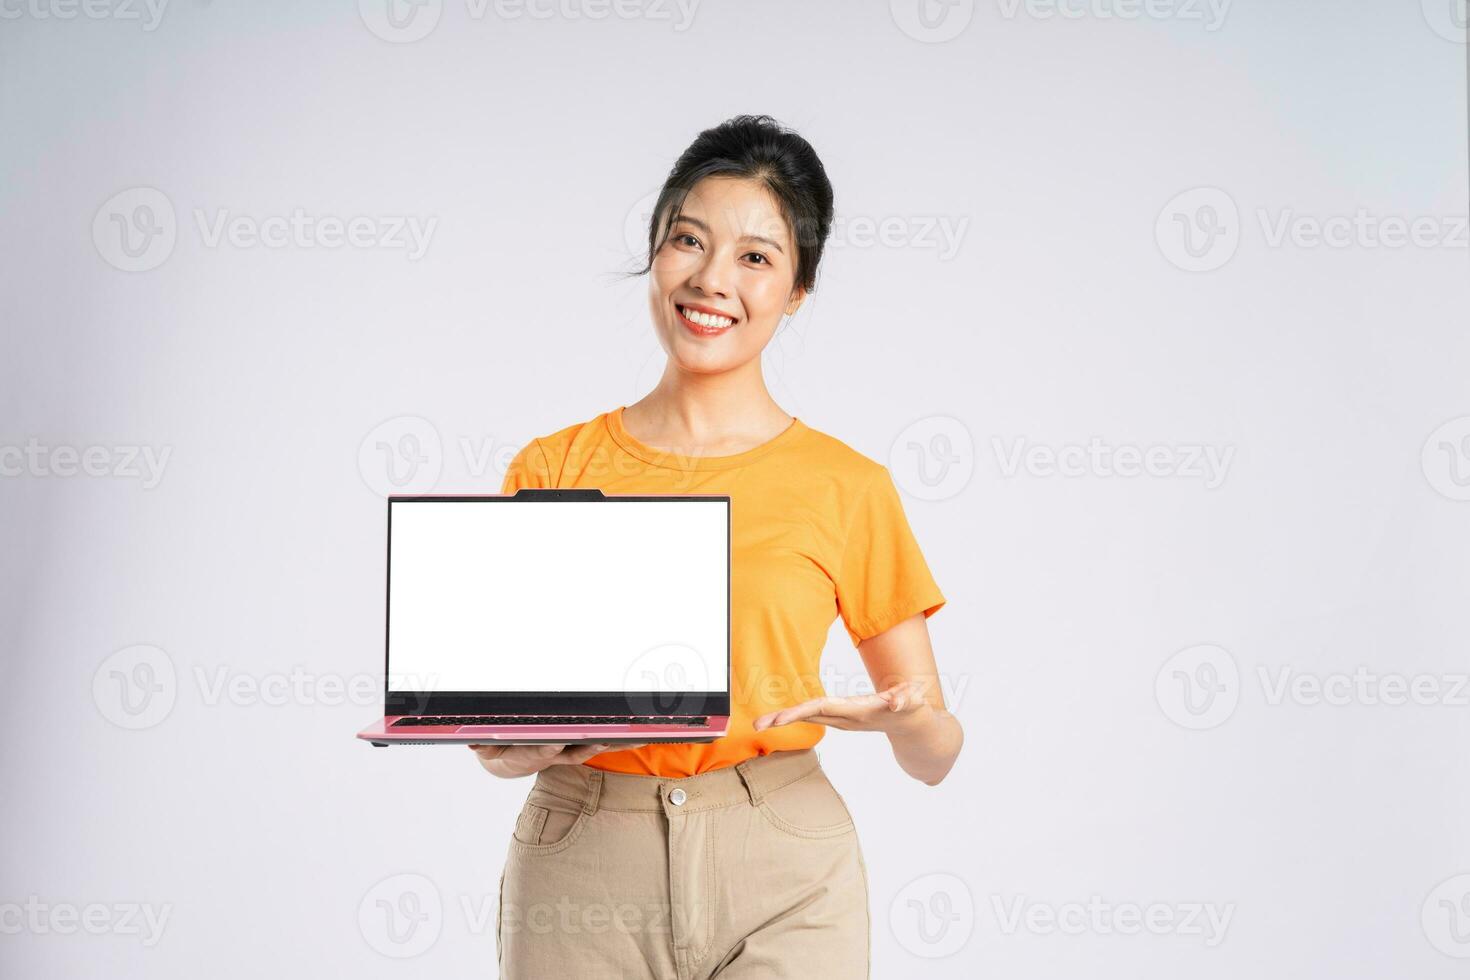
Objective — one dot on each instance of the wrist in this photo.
(911, 722)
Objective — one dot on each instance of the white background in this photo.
(243, 587)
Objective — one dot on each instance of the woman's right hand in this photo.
(514, 761)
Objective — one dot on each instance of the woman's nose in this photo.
(711, 278)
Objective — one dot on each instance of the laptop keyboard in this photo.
(420, 721)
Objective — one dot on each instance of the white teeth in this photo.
(706, 319)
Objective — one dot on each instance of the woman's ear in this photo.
(798, 296)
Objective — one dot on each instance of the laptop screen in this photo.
(575, 596)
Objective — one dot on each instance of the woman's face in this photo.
(730, 261)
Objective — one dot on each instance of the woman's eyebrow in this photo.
(744, 238)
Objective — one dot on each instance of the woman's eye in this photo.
(682, 236)
(757, 255)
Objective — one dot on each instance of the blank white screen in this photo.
(558, 596)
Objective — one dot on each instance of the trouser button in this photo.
(677, 797)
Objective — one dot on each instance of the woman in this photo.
(734, 858)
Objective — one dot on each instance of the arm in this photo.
(926, 738)
(908, 706)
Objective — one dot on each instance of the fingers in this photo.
(858, 712)
(805, 710)
(904, 696)
(772, 719)
(578, 754)
(786, 715)
(907, 695)
(487, 752)
(513, 761)
(833, 721)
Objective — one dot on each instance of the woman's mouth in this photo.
(703, 324)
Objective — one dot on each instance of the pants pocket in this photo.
(528, 825)
(809, 807)
(547, 823)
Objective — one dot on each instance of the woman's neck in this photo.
(706, 416)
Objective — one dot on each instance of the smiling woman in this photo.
(738, 232)
(741, 846)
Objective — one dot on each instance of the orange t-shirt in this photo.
(817, 530)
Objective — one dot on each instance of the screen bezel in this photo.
(552, 702)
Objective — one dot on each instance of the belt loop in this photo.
(594, 790)
(752, 786)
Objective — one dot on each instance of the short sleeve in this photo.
(528, 468)
(882, 578)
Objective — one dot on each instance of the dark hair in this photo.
(757, 148)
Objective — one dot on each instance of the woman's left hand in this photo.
(897, 709)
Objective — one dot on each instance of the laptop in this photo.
(556, 616)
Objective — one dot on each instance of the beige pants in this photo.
(748, 871)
